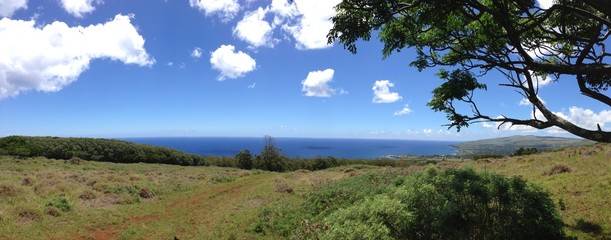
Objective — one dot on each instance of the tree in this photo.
(518, 39)
(270, 158)
(244, 159)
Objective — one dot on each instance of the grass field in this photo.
(54, 199)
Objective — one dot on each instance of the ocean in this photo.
(303, 147)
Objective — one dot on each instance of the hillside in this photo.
(96, 149)
(101, 200)
(508, 145)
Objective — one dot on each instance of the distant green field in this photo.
(509, 145)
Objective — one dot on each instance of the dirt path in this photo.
(203, 210)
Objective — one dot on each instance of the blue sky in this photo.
(226, 68)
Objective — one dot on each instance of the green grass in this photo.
(52, 199)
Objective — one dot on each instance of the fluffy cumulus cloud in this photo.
(254, 29)
(230, 63)
(196, 53)
(47, 58)
(316, 83)
(382, 93)
(307, 21)
(404, 111)
(8, 7)
(225, 9)
(586, 118)
(283, 9)
(79, 7)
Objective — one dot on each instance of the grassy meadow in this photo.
(56, 199)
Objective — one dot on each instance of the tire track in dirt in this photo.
(202, 201)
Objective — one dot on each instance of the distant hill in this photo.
(508, 145)
(96, 149)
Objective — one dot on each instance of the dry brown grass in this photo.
(282, 186)
(557, 169)
(8, 190)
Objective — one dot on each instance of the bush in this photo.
(145, 193)
(525, 151)
(450, 204)
(244, 159)
(60, 203)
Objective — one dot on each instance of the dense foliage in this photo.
(521, 41)
(450, 204)
(94, 149)
(525, 151)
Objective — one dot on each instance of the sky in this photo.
(93, 68)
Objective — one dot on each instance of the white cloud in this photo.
(50, 57)
(525, 102)
(545, 4)
(316, 83)
(308, 21)
(488, 125)
(382, 94)
(79, 7)
(587, 118)
(254, 30)
(230, 63)
(170, 64)
(540, 81)
(8, 7)
(225, 9)
(581, 117)
(406, 110)
(196, 53)
(427, 131)
(284, 9)
(252, 86)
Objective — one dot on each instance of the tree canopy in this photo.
(519, 39)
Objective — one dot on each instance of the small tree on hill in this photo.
(270, 158)
(244, 159)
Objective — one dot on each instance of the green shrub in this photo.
(525, 151)
(244, 159)
(344, 193)
(60, 203)
(450, 204)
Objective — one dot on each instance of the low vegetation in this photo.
(449, 204)
(567, 190)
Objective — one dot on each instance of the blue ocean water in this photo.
(303, 147)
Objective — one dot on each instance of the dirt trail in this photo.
(213, 201)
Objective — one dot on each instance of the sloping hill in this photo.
(508, 145)
(97, 149)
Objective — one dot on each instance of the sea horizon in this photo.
(303, 147)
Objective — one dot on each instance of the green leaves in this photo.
(459, 85)
(515, 38)
(435, 204)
